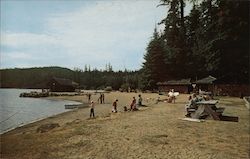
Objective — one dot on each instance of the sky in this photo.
(75, 33)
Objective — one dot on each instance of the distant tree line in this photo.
(87, 78)
(213, 39)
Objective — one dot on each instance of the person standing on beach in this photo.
(115, 106)
(100, 98)
(92, 112)
(103, 98)
(89, 97)
(139, 100)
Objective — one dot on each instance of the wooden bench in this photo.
(191, 110)
(219, 111)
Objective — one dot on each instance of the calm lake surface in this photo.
(16, 111)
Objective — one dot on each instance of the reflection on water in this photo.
(16, 111)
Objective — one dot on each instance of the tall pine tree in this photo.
(174, 37)
(154, 69)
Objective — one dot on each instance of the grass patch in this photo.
(155, 140)
(86, 129)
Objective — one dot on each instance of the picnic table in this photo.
(207, 108)
(207, 102)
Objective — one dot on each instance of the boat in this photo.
(73, 106)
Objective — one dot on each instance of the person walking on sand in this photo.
(92, 112)
(115, 106)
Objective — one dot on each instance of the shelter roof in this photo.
(176, 82)
(65, 82)
(206, 80)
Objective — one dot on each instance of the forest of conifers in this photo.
(213, 39)
(87, 79)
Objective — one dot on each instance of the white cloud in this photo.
(18, 56)
(26, 39)
(109, 31)
(21, 59)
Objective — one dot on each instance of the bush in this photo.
(125, 87)
(108, 88)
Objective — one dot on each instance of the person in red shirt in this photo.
(133, 104)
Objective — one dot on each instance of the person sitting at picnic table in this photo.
(189, 98)
(191, 104)
(115, 106)
(207, 97)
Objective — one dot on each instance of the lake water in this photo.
(16, 111)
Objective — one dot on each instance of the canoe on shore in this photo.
(73, 106)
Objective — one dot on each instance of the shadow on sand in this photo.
(229, 118)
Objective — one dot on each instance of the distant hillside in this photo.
(88, 79)
(32, 77)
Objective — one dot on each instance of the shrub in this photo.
(108, 88)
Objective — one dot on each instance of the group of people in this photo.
(133, 105)
(172, 96)
(101, 98)
(192, 102)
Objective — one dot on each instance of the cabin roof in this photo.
(65, 82)
(176, 82)
(206, 80)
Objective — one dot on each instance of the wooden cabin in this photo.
(217, 86)
(206, 84)
(181, 86)
(61, 85)
(226, 85)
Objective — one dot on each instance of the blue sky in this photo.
(36, 33)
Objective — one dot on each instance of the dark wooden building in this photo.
(206, 84)
(182, 86)
(236, 90)
(62, 85)
(227, 85)
(217, 86)
(223, 86)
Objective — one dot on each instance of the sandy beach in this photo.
(155, 131)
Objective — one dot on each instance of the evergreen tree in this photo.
(212, 40)
(192, 23)
(154, 68)
(233, 22)
(175, 40)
